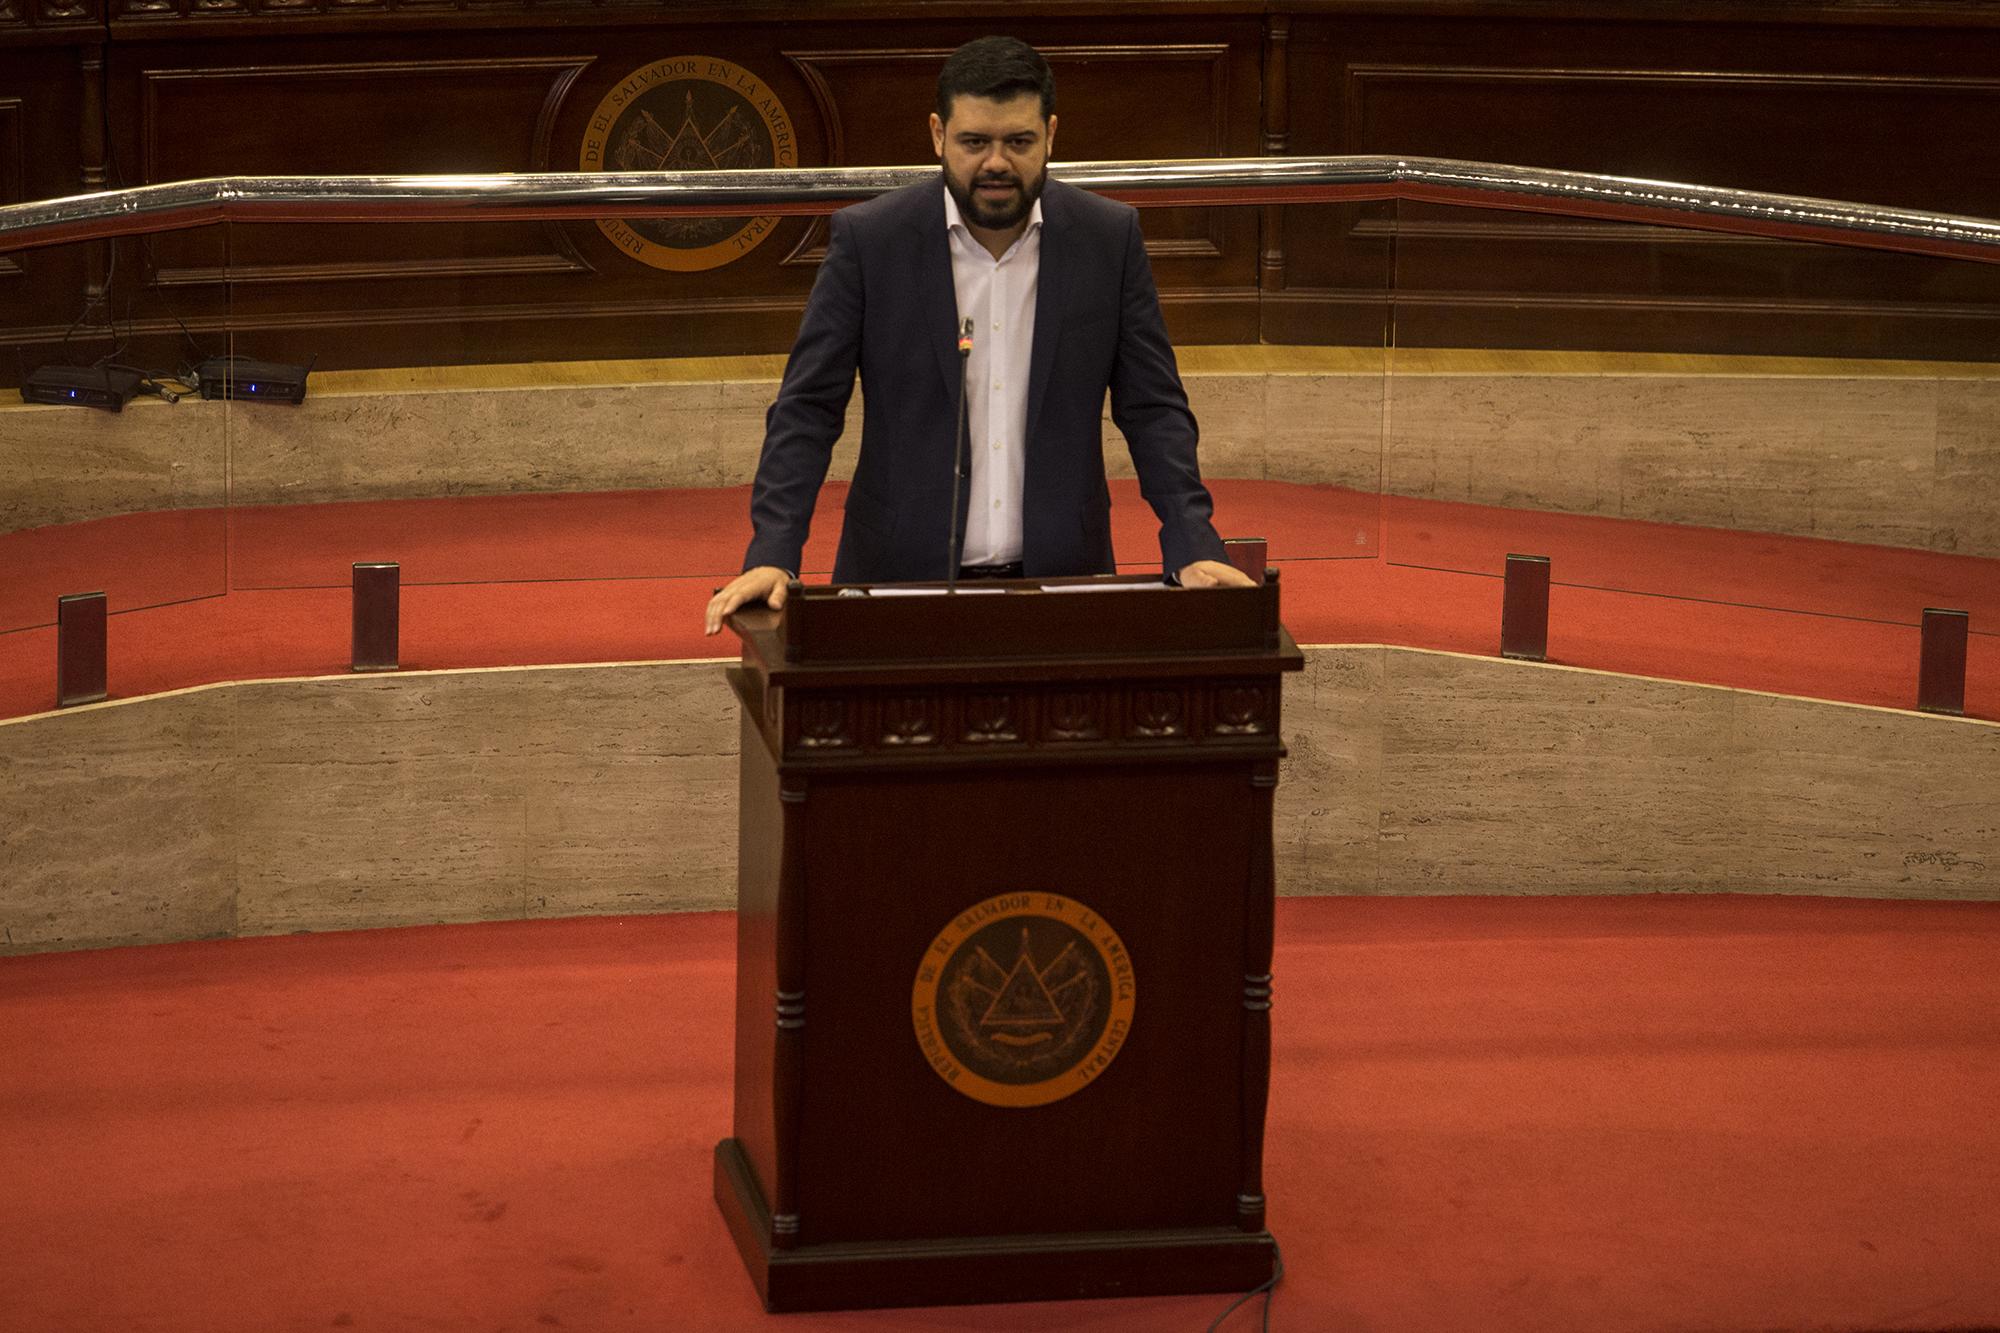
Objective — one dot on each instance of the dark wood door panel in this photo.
(1748, 130)
(13, 167)
(363, 116)
(44, 291)
(295, 111)
(1856, 115)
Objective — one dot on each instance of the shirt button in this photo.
(996, 384)
(996, 326)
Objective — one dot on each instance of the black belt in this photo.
(1008, 571)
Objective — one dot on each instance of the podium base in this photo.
(976, 1270)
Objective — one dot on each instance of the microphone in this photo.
(958, 461)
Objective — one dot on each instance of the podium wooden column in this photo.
(1004, 943)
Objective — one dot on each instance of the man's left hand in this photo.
(1214, 574)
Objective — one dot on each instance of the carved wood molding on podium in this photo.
(52, 14)
(1052, 723)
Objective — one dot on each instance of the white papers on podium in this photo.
(985, 591)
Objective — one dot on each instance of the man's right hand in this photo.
(765, 583)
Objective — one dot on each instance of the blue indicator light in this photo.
(72, 393)
(253, 388)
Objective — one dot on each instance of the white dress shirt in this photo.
(998, 296)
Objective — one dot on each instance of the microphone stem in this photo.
(958, 460)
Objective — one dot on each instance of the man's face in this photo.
(995, 156)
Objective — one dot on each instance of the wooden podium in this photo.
(1004, 942)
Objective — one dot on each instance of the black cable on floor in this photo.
(1265, 1290)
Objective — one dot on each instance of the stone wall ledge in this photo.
(355, 802)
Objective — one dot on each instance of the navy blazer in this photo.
(884, 304)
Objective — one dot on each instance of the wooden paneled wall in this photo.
(1865, 103)
(1875, 102)
(51, 144)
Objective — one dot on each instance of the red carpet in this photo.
(516, 580)
(1601, 1114)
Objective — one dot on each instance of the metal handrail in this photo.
(1257, 181)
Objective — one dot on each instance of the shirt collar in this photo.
(954, 220)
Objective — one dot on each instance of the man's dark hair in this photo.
(1001, 68)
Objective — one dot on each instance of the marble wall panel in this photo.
(62, 465)
(1229, 411)
(1901, 460)
(1850, 459)
(451, 796)
(631, 792)
(1326, 820)
(1494, 439)
(1325, 429)
(114, 824)
(1871, 456)
(1844, 799)
(1502, 777)
(391, 800)
(476, 442)
(739, 429)
(1724, 454)
(740, 433)
(1966, 488)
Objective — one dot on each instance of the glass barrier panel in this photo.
(1291, 413)
(1293, 425)
(1691, 414)
(579, 401)
(112, 467)
(512, 402)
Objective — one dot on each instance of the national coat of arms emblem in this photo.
(689, 113)
(1023, 999)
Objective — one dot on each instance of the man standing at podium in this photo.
(1030, 297)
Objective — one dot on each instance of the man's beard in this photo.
(1000, 214)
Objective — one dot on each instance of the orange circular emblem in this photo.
(689, 113)
(1023, 999)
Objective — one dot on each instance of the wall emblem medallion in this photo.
(1023, 999)
(689, 113)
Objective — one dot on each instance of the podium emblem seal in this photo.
(689, 113)
(1023, 999)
